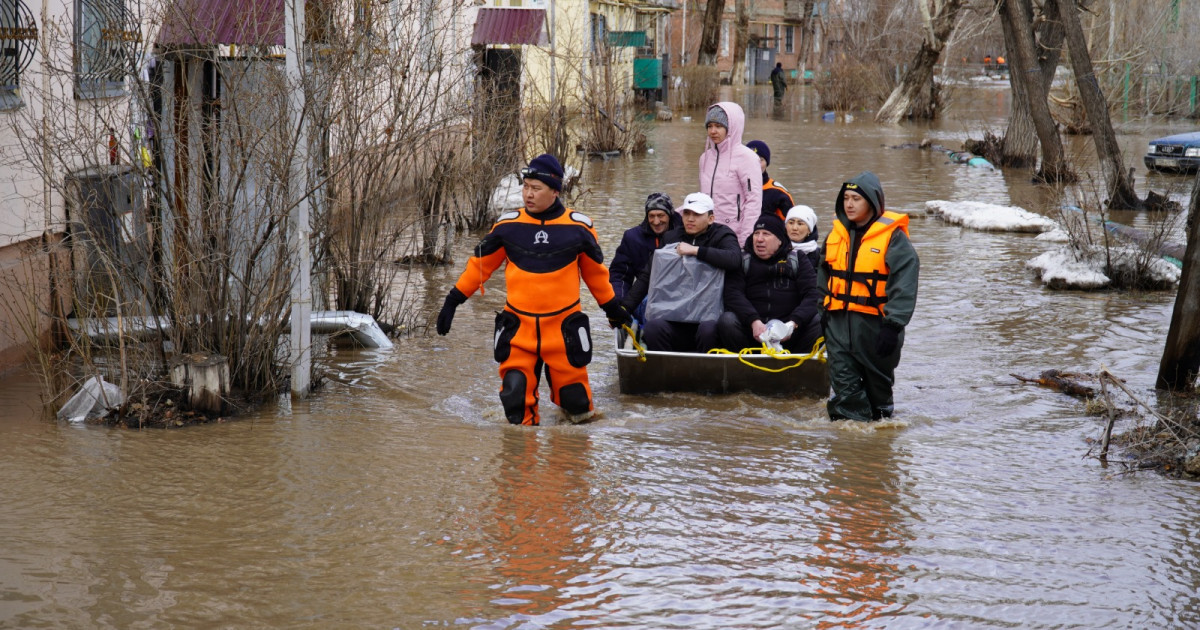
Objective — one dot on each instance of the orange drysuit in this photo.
(542, 323)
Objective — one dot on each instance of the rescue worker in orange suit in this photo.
(775, 198)
(548, 248)
(869, 273)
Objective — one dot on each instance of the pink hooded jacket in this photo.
(731, 175)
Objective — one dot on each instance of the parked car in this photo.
(1179, 153)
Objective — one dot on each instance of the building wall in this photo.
(46, 132)
(685, 27)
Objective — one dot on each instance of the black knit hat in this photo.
(774, 225)
(545, 168)
(761, 148)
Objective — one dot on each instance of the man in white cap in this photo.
(710, 243)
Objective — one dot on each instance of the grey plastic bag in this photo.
(683, 289)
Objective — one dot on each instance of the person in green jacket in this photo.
(869, 272)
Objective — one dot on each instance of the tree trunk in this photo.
(1121, 195)
(1023, 66)
(806, 37)
(741, 31)
(1181, 355)
(1020, 144)
(710, 36)
(939, 21)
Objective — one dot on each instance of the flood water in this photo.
(397, 497)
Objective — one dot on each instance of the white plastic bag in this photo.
(683, 288)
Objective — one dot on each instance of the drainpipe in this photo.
(683, 37)
(47, 197)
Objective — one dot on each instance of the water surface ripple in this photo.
(398, 498)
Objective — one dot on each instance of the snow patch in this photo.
(989, 217)
(1061, 269)
(507, 195)
(1058, 269)
(1057, 235)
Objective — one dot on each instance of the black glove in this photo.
(453, 299)
(617, 315)
(889, 337)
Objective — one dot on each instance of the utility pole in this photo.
(298, 232)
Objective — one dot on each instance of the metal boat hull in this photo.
(717, 374)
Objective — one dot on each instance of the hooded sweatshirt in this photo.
(901, 258)
(730, 174)
(637, 245)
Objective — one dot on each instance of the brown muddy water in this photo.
(396, 497)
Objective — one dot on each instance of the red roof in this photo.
(212, 22)
(508, 26)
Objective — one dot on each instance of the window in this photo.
(725, 39)
(105, 41)
(599, 38)
(776, 42)
(789, 34)
(18, 41)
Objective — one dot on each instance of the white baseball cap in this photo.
(697, 202)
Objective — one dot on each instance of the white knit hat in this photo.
(805, 214)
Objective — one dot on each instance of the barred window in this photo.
(18, 42)
(105, 42)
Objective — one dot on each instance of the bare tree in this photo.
(710, 34)
(1019, 147)
(203, 265)
(741, 41)
(1121, 194)
(1180, 362)
(806, 35)
(1024, 67)
(938, 18)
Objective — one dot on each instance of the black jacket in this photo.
(773, 289)
(776, 199)
(718, 247)
(637, 246)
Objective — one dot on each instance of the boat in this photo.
(649, 372)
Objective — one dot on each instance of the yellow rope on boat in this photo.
(633, 339)
(818, 353)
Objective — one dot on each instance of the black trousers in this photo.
(733, 335)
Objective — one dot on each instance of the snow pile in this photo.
(1057, 235)
(1061, 269)
(507, 195)
(990, 217)
(1058, 269)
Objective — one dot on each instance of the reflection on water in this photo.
(860, 536)
(399, 497)
(536, 533)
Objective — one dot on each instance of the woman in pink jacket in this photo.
(729, 172)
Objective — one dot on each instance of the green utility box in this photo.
(647, 74)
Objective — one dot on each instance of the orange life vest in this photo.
(861, 284)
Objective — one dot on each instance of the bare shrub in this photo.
(850, 86)
(1133, 259)
(202, 263)
(700, 86)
